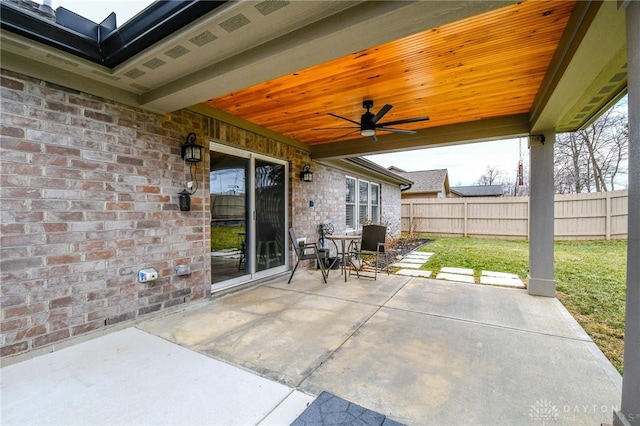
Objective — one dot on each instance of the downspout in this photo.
(405, 187)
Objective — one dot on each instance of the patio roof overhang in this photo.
(481, 70)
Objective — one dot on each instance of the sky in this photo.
(464, 163)
(98, 10)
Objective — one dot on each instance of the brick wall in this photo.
(89, 197)
(390, 211)
(328, 194)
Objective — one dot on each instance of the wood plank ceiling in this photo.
(487, 66)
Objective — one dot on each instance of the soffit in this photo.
(230, 29)
(592, 74)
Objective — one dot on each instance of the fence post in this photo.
(607, 207)
(410, 217)
(466, 218)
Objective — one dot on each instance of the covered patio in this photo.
(418, 351)
(481, 71)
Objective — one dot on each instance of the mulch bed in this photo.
(401, 247)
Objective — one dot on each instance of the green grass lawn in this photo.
(590, 276)
(226, 237)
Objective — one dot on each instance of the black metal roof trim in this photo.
(80, 24)
(28, 25)
(156, 22)
(103, 43)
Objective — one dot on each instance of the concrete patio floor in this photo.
(419, 351)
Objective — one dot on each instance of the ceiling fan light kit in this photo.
(369, 122)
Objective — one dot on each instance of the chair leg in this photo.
(358, 265)
(386, 262)
(375, 269)
(321, 265)
(293, 272)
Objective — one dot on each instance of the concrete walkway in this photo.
(418, 351)
(131, 377)
(411, 265)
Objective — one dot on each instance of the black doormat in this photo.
(329, 409)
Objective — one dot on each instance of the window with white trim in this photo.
(362, 203)
(350, 201)
(374, 203)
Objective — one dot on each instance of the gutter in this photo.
(105, 43)
(371, 166)
(406, 187)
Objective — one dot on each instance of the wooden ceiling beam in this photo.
(472, 131)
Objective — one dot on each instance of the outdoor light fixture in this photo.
(306, 175)
(185, 200)
(191, 152)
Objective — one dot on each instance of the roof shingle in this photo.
(478, 191)
(425, 181)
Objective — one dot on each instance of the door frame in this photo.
(252, 275)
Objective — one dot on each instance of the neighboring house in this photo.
(426, 183)
(477, 191)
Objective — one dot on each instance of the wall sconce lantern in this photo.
(191, 152)
(306, 175)
(185, 200)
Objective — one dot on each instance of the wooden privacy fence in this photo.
(591, 216)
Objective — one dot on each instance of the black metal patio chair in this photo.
(372, 243)
(306, 251)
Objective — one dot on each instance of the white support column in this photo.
(540, 280)
(629, 413)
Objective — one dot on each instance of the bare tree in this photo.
(493, 175)
(591, 159)
(572, 171)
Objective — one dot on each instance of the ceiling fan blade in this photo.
(408, 120)
(336, 128)
(385, 109)
(344, 118)
(391, 129)
(347, 134)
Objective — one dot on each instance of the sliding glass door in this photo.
(248, 216)
(270, 180)
(229, 192)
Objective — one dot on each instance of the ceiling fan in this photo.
(369, 122)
